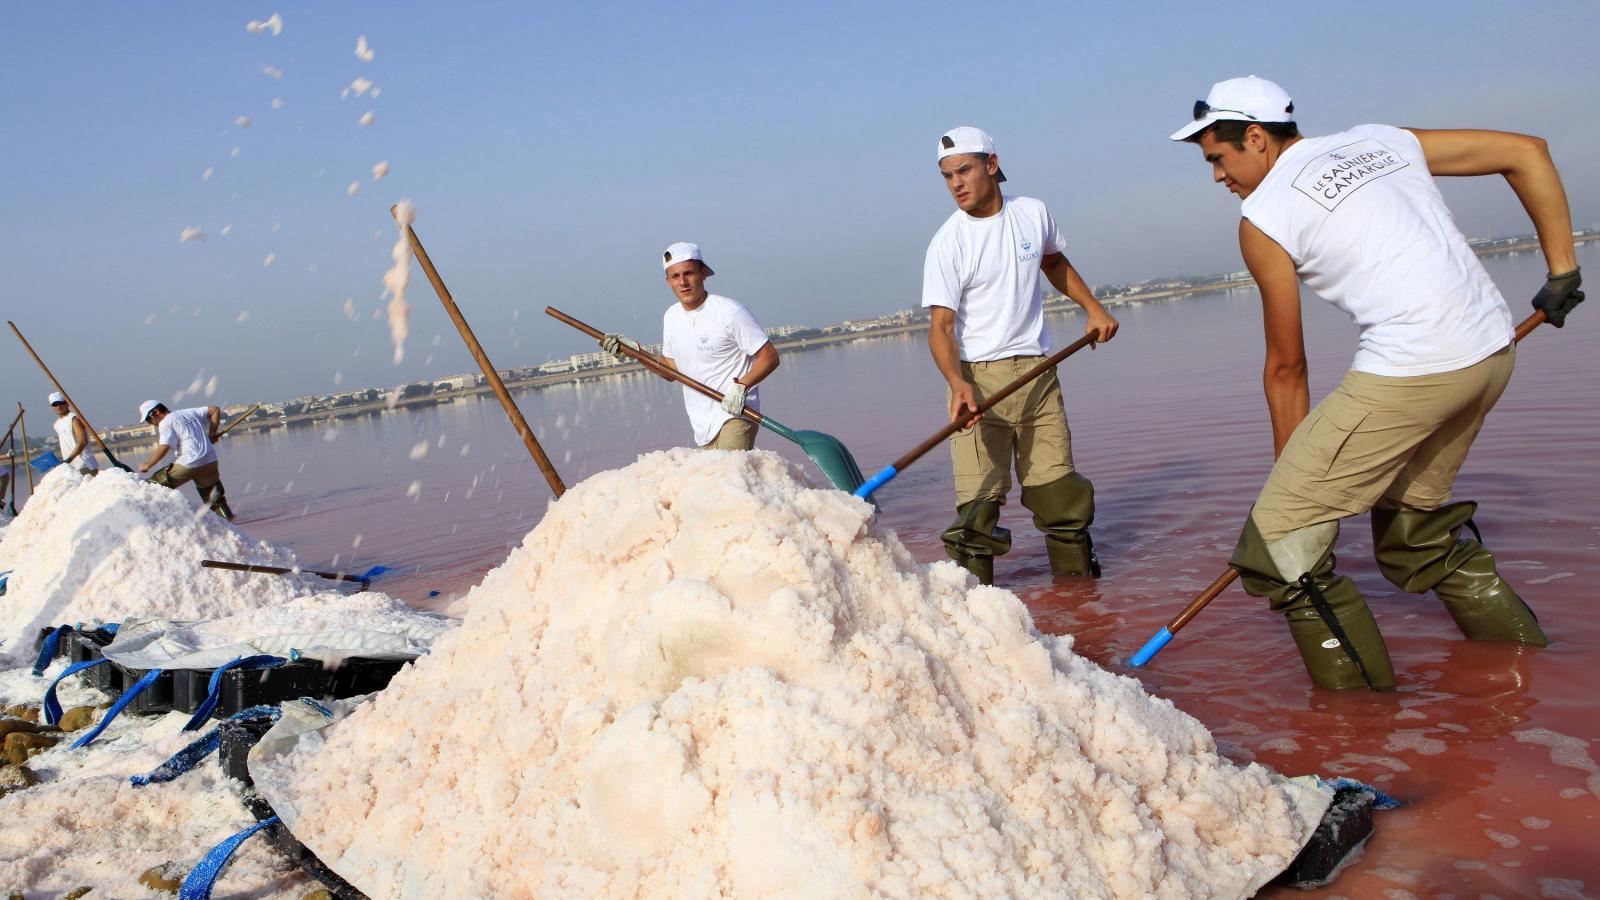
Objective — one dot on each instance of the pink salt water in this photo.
(1491, 746)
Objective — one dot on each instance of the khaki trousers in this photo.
(1377, 440)
(736, 434)
(207, 480)
(1028, 428)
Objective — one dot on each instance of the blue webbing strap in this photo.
(47, 651)
(214, 687)
(190, 756)
(116, 708)
(1380, 800)
(197, 885)
(52, 706)
(4, 577)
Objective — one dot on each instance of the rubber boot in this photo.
(1422, 550)
(217, 498)
(1064, 510)
(1338, 638)
(975, 538)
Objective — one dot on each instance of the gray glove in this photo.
(610, 343)
(733, 399)
(1558, 296)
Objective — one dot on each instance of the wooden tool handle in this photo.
(277, 570)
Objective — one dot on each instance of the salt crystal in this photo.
(234, 152)
(273, 72)
(353, 189)
(206, 175)
(349, 309)
(363, 52)
(243, 316)
(380, 170)
(360, 86)
(225, 230)
(368, 118)
(273, 23)
(397, 278)
(376, 91)
(211, 386)
(242, 121)
(420, 450)
(191, 234)
(271, 258)
(277, 103)
(338, 378)
(415, 489)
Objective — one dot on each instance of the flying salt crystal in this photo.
(356, 542)
(271, 258)
(311, 268)
(243, 316)
(367, 118)
(234, 152)
(376, 91)
(211, 386)
(353, 189)
(331, 435)
(242, 121)
(442, 439)
(437, 338)
(191, 234)
(150, 319)
(465, 448)
(225, 229)
(428, 360)
(349, 309)
(420, 450)
(338, 378)
(380, 170)
(415, 490)
(396, 279)
(360, 86)
(273, 72)
(277, 103)
(194, 386)
(363, 52)
(276, 225)
(206, 175)
(273, 23)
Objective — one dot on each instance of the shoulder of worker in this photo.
(724, 307)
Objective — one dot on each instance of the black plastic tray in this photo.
(1345, 826)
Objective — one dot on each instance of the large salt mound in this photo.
(698, 677)
(114, 547)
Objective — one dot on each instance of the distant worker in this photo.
(981, 281)
(191, 434)
(1356, 216)
(73, 437)
(715, 341)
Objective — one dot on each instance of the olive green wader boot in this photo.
(975, 538)
(1422, 550)
(1328, 618)
(1064, 510)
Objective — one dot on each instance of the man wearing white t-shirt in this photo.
(981, 279)
(1357, 217)
(191, 434)
(715, 341)
(73, 437)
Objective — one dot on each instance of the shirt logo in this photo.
(1027, 251)
(1336, 175)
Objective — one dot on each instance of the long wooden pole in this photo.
(241, 417)
(1162, 637)
(74, 406)
(279, 570)
(489, 373)
(28, 469)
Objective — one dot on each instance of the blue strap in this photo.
(52, 706)
(116, 708)
(214, 687)
(1380, 800)
(47, 651)
(876, 481)
(197, 885)
(190, 756)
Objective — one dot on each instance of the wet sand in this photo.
(1489, 745)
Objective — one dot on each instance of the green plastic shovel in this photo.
(830, 455)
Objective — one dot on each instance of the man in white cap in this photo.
(73, 437)
(1357, 217)
(191, 434)
(715, 341)
(981, 280)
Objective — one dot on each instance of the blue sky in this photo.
(553, 151)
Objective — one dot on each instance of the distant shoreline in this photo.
(1052, 305)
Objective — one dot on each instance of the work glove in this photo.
(733, 400)
(1558, 296)
(612, 341)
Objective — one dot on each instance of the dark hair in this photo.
(1232, 131)
(159, 407)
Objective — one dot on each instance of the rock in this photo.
(19, 746)
(16, 778)
(166, 877)
(76, 718)
(27, 713)
(16, 726)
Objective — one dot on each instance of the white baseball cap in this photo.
(145, 407)
(1248, 99)
(681, 251)
(967, 139)
(57, 397)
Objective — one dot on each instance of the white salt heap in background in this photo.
(698, 677)
(113, 547)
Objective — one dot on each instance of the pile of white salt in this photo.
(113, 547)
(698, 677)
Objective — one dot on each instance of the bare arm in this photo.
(1525, 162)
(947, 356)
(213, 416)
(80, 433)
(765, 363)
(1284, 377)
(1066, 279)
(155, 457)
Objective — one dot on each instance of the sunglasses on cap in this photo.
(59, 403)
(1203, 109)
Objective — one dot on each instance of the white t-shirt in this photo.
(987, 270)
(69, 442)
(188, 433)
(713, 345)
(1359, 214)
